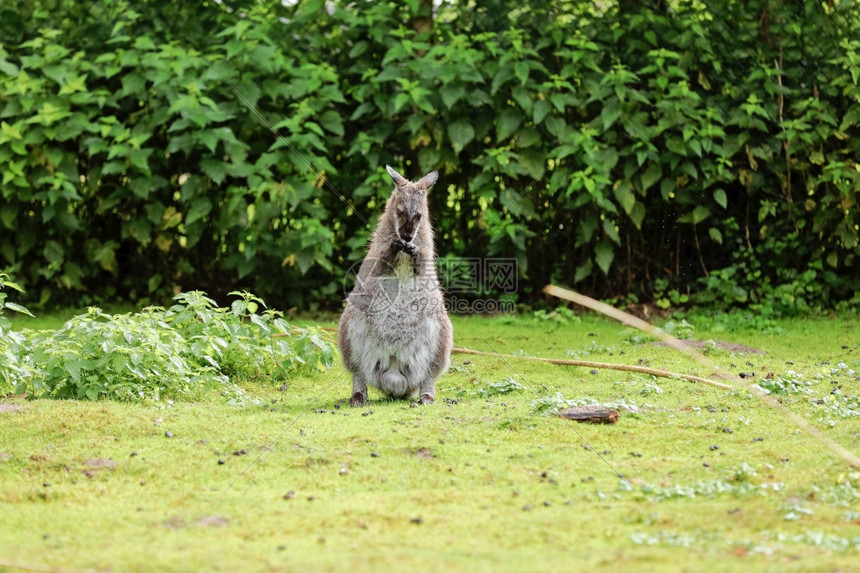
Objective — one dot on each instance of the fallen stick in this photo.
(603, 365)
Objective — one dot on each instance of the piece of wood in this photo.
(590, 414)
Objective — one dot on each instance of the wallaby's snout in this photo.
(407, 232)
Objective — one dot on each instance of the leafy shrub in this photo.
(13, 369)
(157, 353)
(244, 342)
(588, 142)
(121, 357)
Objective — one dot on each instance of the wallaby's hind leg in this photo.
(359, 385)
(359, 391)
(428, 390)
(441, 361)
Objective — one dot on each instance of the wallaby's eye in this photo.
(417, 216)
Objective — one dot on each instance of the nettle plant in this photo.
(158, 353)
(13, 369)
(243, 342)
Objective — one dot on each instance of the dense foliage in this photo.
(675, 150)
(157, 353)
(13, 368)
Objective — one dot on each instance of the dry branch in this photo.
(603, 365)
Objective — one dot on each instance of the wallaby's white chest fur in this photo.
(403, 267)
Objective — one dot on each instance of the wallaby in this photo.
(394, 333)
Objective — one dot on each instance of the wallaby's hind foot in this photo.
(427, 399)
(357, 399)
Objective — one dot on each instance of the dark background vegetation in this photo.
(684, 152)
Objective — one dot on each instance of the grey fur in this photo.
(394, 333)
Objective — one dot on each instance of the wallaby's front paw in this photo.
(357, 399)
(408, 248)
(427, 399)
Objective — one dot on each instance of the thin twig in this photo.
(603, 365)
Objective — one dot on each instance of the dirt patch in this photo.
(212, 521)
(721, 344)
(424, 453)
(96, 464)
(100, 463)
(176, 522)
(9, 408)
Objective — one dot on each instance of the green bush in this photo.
(14, 370)
(156, 353)
(711, 146)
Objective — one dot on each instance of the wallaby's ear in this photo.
(428, 180)
(398, 178)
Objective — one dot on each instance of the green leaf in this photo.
(698, 215)
(527, 137)
(523, 98)
(695, 146)
(216, 170)
(144, 43)
(582, 271)
(331, 121)
(451, 94)
(9, 216)
(604, 253)
(460, 133)
(720, 198)
(208, 138)
(521, 69)
(611, 115)
(716, 235)
(624, 195)
(358, 49)
(533, 161)
(8, 68)
(650, 176)
(16, 307)
(199, 208)
(611, 231)
(139, 229)
(399, 101)
(676, 145)
(502, 76)
(667, 186)
(509, 121)
(637, 214)
(10, 132)
(541, 110)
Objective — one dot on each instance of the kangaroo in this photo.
(394, 333)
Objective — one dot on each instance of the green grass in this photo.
(719, 480)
